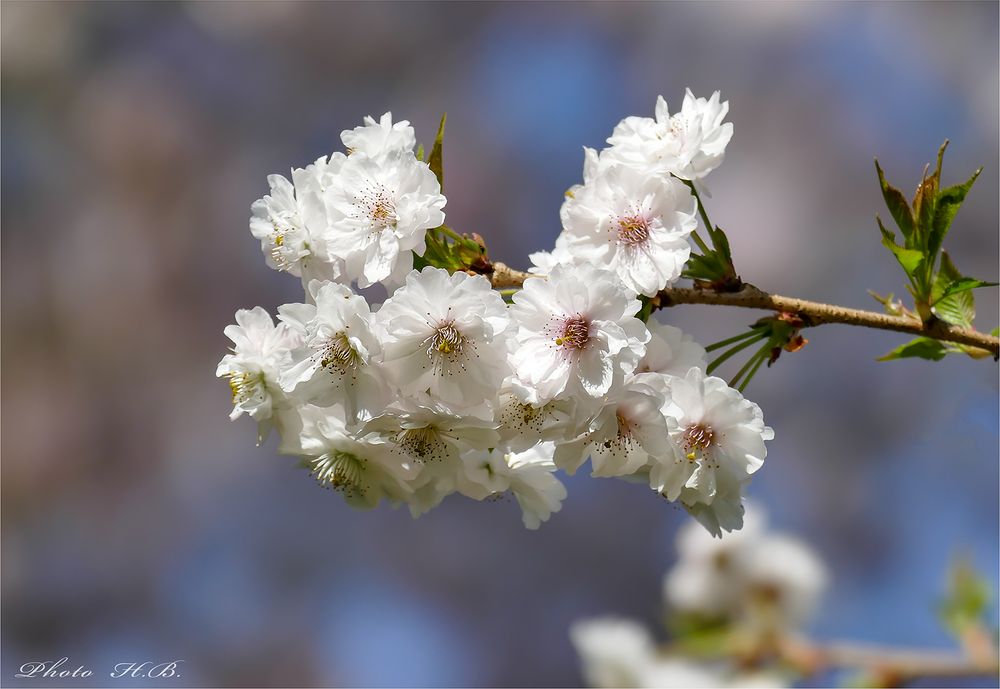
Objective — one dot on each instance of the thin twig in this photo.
(812, 313)
(894, 665)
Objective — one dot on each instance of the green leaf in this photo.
(434, 161)
(925, 205)
(948, 202)
(962, 284)
(967, 599)
(953, 302)
(420, 152)
(921, 347)
(721, 243)
(909, 259)
(419, 262)
(647, 308)
(899, 208)
(958, 309)
(708, 268)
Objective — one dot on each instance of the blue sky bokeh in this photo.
(140, 524)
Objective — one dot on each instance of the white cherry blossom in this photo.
(670, 351)
(378, 138)
(576, 333)
(721, 438)
(528, 476)
(755, 577)
(627, 434)
(379, 209)
(446, 335)
(632, 222)
(362, 471)
(260, 351)
(340, 357)
(614, 652)
(689, 144)
(291, 222)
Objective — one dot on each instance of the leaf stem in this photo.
(738, 348)
(736, 338)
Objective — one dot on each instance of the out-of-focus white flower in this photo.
(785, 581)
(446, 335)
(261, 350)
(379, 209)
(679, 673)
(363, 472)
(614, 652)
(378, 138)
(706, 578)
(721, 436)
(754, 576)
(339, 359)
(576, 332)
(688, 144)
(627, 434)
(528, 475)
(291, 221)
(634, 223)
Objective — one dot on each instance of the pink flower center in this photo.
(575, 333)
(633, 229)
(697, 439)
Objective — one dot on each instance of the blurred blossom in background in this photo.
(140, 524)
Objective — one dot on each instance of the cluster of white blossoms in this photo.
(754, 582)
(447, 387)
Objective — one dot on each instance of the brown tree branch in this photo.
(812, 313)
(890, 666)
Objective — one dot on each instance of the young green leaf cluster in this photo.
(939, 290)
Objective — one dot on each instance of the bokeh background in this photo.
(140, 524)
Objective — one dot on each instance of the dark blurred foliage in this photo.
(139, 524)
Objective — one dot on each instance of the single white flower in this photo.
(634, 223)
(291, 222)
(340, 357)
(785, 581)
(432, 436)
(721, 438)
(670, 351)
(377, 138)
(363, 472)
(528, 475)
(522, 424)
(614, 652)
(542, 262)
(627, 434)
(379, 209)
(688, 144)
(707, 578)
(446, 335)
(576, 333)
(261, 350)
